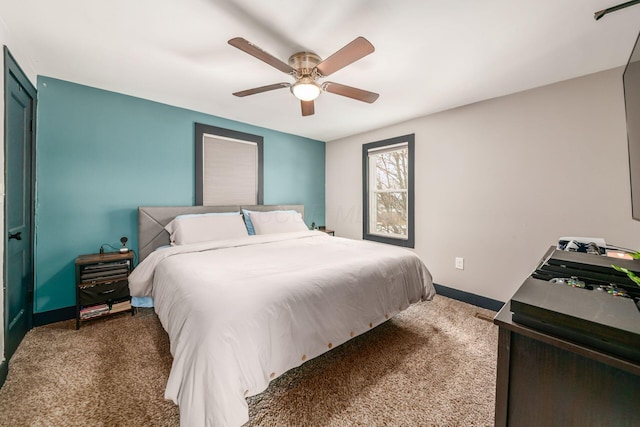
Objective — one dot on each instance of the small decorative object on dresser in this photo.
(102, 286)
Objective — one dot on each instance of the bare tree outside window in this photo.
(388, 191)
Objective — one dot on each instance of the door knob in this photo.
(17, 236)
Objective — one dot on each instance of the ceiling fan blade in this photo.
(350, 92)
(349, 54)
(261, 89)
(307, 108)
(255, 51)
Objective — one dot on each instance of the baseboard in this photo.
(469, 298)
(4, 371)
(54, 316)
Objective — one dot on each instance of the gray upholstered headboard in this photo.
(153, 219)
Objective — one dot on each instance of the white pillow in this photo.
(277, 222)
(207, 227)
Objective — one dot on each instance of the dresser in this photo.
(568, 356)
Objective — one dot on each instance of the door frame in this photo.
(13, 70)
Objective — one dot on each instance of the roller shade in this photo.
(229, 171)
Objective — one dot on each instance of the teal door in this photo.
(20, 98)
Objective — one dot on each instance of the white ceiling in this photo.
(430, 55)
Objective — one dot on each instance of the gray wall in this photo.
(499, 181)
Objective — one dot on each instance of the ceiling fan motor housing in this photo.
(304, 62)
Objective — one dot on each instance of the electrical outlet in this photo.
(460, 263)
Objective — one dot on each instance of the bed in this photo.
(244, 309)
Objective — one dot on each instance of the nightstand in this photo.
(102, 286)
(326, 230)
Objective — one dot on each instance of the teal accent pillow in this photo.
(247, 222)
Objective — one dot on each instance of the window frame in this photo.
(200, 131)
(409, 241)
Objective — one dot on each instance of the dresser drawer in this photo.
(102, 292)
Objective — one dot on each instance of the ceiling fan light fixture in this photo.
(306, 89)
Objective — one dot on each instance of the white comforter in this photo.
(240, 313)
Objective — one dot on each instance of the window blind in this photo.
(229, 171)
(387, 148)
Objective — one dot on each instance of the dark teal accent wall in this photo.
(101, 154)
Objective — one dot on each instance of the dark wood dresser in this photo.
(571, 359)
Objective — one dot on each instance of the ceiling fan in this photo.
(306, 68)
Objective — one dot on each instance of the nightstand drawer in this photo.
(101, 292)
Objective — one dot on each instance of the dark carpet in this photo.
(432, 365)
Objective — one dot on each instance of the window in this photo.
(228, 167)
(388, 191)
